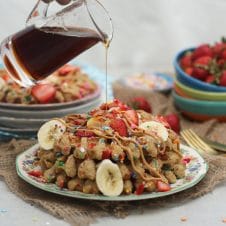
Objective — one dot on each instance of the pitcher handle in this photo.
(39, 12)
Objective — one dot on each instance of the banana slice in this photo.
(2, 83)
(109, 178)
(50, 132)
(157, 128)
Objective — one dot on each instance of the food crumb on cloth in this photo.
(183, 219)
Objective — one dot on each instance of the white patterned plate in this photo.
(196, 170)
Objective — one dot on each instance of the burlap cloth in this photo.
(80, 212)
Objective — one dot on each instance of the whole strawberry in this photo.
(174, 122)
(210, 79)
(223, 55)
(199, 73)
(203, 50)
(186, 61)
(141, 103)
(218, 48)
(203, 61)
(223, 79)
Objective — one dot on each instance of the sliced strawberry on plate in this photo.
(60, 183)
(84, 133)
(162, 120)
(140, 189)
(67, 69)
(6, 77)
(132, 116)
(35, 173)
(119, 126)
(163, 187)
(44, 93)
(106, 154)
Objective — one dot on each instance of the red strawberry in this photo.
(186, 160)
(114, 104)
(174, 122)
(163, 187)
(204, 61)
(106, 154)
(218, 48)
(221, 63)
(35, 173)
(162, 120)
(188, 70)
(43, 93)
(223, 79)
(210, 79)
(132, 116)
(199, 73)
(141, 103)
(223, 55)
(203, 50)
(6, 77)
(84, 133)
(67, 69)
(140, 189)
(60, 183)
(186, 61)
(119, 126)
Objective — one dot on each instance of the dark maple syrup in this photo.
(40, 52)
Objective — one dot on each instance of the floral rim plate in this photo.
(196, 170)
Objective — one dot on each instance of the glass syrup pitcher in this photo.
(49, 42)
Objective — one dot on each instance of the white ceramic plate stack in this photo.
(27, 119)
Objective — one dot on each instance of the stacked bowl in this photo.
(197, 95)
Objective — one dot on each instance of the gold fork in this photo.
(197, 143)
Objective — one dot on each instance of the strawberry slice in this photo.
(60, 183)
(6, 77)
(140, 189)
(162, 120)
(119, 126)
(35, 173)
(44, 93)
(106, 154)
(67, 69)
(132, 116)
(186, 160)
(84, 133)
(163, 187)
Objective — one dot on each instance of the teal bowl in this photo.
(200, 107)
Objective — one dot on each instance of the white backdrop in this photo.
(148, 33)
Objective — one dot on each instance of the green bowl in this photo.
(189, 92)
(201, 107)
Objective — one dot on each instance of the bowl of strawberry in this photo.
(203, 68)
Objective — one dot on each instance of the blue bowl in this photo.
(190, 81)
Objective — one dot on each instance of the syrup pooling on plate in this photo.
(142, 154)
